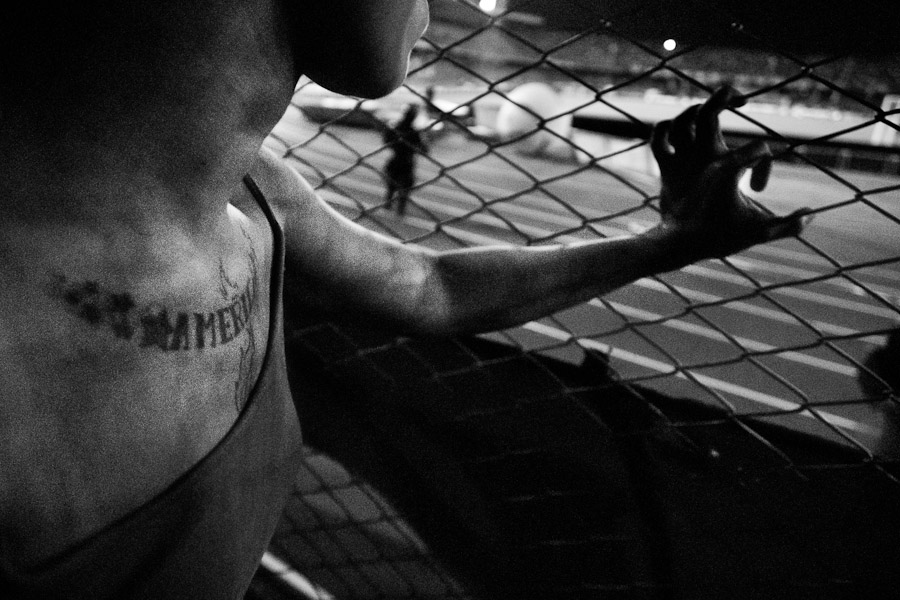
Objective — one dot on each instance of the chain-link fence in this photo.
(729, 429)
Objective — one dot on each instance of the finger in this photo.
(788, 226)
(659, 142)
(759, 177)
(724, 97)
(749, 155)
(709, 135)
(683, 129)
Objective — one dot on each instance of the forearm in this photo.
(357, 272)
(484, 289)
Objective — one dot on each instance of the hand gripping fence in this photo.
(727, 430)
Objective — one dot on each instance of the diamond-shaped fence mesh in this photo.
(727, 430)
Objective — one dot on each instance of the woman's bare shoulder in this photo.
(117, 378)
(286, 190)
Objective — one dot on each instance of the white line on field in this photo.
(292, 578)
(745, 343)
(761, 311)
(710, 382)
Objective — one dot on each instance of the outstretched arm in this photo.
(338, 264)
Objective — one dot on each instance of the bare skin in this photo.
(135, 304)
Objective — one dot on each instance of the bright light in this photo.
(669, 44)
(488, 5)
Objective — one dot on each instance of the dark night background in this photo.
(868, 26)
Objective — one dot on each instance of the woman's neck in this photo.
(165, 124)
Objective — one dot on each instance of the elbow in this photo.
(434, 317)
(434, 313)
(440, 300)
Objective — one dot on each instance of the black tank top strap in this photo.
(274, 225)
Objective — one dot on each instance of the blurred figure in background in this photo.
(405, 141)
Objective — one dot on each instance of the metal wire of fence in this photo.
(535, 134)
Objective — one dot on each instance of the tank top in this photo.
(204, 535)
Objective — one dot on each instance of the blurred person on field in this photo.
(405, 142)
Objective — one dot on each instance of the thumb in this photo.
(759, 176)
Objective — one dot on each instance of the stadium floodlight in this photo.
(488, 6)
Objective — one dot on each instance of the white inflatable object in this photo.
(520, 115)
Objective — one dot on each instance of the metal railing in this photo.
(537, 133)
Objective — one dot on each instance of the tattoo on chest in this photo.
(247, 364)
(159, 327)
